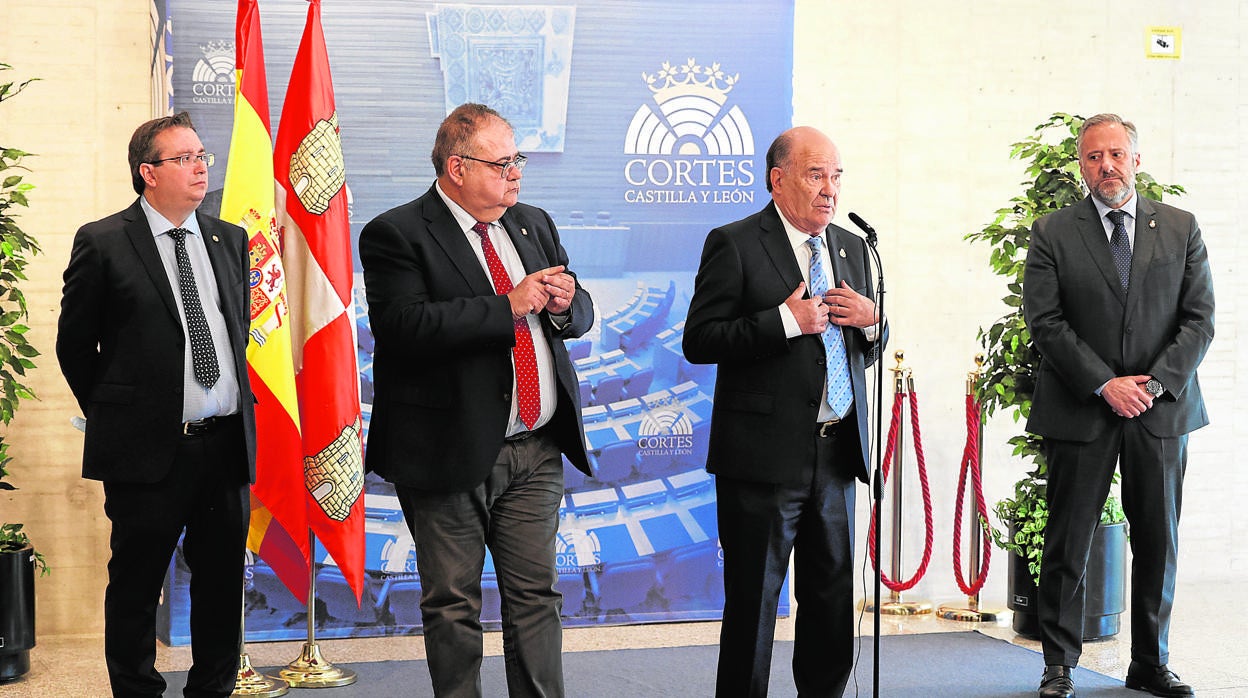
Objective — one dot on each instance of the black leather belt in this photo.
(203, 426)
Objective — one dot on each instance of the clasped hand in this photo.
(841, 306)
(1127, 397)
(550, 289)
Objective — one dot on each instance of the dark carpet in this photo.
(961, 664)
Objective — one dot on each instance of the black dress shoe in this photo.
(1056, 682)
(1157, 680)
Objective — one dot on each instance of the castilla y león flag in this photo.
(312, 213)
(278, 531)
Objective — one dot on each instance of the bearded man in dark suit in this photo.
(152, 340)
(470, 299)
(1118, 297)
(789, 423)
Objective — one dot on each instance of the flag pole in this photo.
(250, 682)
(311, 669)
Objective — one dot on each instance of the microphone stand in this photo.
(877, 480)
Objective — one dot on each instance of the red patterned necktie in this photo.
(528, 390)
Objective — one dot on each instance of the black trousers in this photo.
(205, 494)
(760, 524)
(515, 513)
(1152, 495)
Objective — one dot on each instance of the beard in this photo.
(1112, 192)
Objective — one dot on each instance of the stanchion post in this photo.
(311, 670)
(903, 384)
(250, 682)
(972, 613)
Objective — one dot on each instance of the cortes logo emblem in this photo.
(212, 78)
(696, 146)
(577, 551)
(665, 433)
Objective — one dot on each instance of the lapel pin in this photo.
(524, 231)
(842, 253)
(216, 239)
(1152, 223)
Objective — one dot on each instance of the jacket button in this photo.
(814, 403)
(1129, 330)
(506, 397)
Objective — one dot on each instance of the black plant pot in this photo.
(17, 612)
(1106, 585)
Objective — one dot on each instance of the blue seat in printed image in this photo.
(403, 600)
(339, 600)
(638, 384)
(608, 390)
(617, 463)
(572, 586)
(694, 574)
(625, 587)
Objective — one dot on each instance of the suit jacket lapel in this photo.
(141, 238)
(1144, 250)
(1092, 231)
(444, 229)
(775, 242)
(526, 246)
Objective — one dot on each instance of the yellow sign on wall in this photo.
(1164, 42)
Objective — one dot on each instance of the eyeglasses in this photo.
(515, 164)
(182, 160)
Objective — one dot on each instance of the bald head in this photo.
(804, 177)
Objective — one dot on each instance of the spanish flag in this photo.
(312, 213)
(279, 524)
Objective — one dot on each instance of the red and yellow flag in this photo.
(312, 212)
(279, 510)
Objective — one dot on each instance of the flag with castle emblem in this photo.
(278, 532)
(312, 211)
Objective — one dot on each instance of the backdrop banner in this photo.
(646, 124)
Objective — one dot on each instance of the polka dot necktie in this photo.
(1120, 246)
(840, 391)
(203, 355)
(528, 390)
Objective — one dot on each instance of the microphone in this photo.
(866, 227)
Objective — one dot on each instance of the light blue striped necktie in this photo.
(840, 391)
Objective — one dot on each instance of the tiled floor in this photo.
(1208, 645)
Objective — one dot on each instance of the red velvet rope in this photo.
(970, 460)
(927, 496)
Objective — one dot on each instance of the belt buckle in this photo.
(196, 427)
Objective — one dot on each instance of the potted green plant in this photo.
(18, 558)
(1008, 380)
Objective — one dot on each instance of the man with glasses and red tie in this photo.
(470, 299)
(152, 340)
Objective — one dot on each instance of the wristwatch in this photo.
(1154, 387)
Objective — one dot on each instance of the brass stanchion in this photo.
(971, 612)
(311, 670)
(903, 382)
(250, 682)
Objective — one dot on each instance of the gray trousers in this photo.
(515, 513)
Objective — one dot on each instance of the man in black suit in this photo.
(470, 300)
(1119, 301)
(152, 341)
(789, 426)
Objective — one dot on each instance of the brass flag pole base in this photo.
(311, 670)
(252, 683)
(967, 614)
(899, 607)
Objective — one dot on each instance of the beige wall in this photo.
(924, 106)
